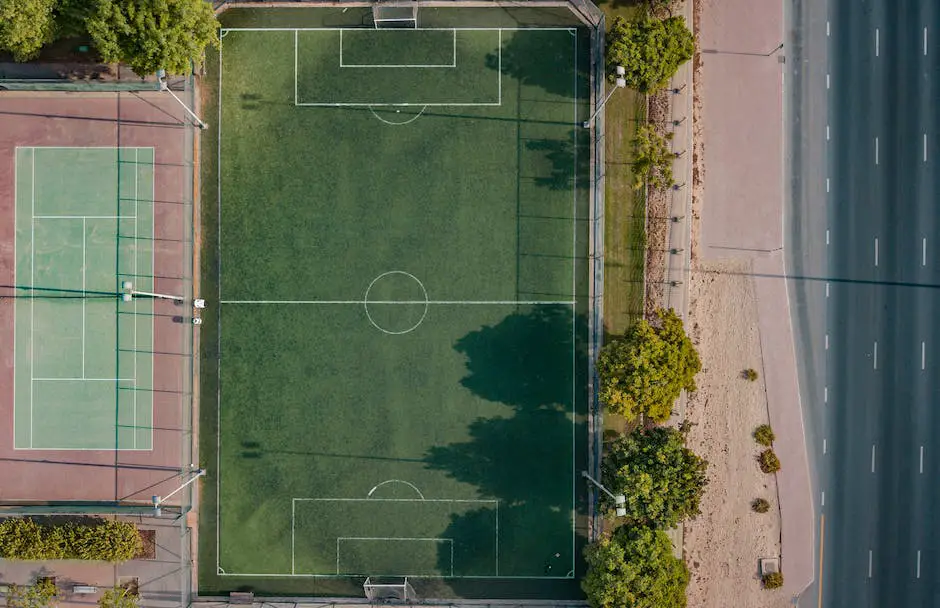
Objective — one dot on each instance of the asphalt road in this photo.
(876, 355)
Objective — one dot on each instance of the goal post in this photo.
(399, 590)
(395, 14)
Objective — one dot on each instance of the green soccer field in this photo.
(402, 287)
(83, 360)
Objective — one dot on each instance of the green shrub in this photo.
(760, 505)
(749, 374)
(105, 540)
(769, 463)
(41, 594)
(764, 435)
(773, 580)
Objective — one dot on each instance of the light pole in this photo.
(159, 500)
(161, 78)
(620, 83)
(619, 499)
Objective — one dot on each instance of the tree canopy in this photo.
(652, 160)
(149, 35)
(662, 479)
(651, 50)
(42, 594)
(634, 568)
(25, 26)
(117, 597)
(645, 371)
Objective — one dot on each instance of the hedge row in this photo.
(108, 541)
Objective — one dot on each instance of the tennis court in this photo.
(83, 362)
(401, 272)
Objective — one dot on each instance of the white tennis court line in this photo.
(218, 333)
(413, 302)
(339, 539)
(452, 64)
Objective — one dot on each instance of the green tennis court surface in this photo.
(402, 304)
(83, 361)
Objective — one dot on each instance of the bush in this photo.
(764, 435)
(651, 50)
(769, 463)
(760, 505)
(749, 374)
(42, 594)
(773, 580)
(106, 540)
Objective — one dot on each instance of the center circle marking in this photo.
(424, 291)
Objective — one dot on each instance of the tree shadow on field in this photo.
(564, 163)
(524, 460)
(537, 58)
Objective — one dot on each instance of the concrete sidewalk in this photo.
(742, 217)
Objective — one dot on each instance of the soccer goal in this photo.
(395, 14)
(389, 591)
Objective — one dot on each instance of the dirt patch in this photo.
(148, 544)
(658, 203)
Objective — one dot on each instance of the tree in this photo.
(118, 597)
(652, 158)
(40, 595)
(634, 568)
(26, 25)
(663, 480)
(645, 371)
(651, 50)
(149, 35)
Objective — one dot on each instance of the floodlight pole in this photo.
(619, 499)
(620, 83)
(159, 500)
(161, 78)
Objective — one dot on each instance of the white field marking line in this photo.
(407, 483)
(153, 282)
(399, 124)
(497, 538)
(410, 302)
(918, 551)
(499, 68)
(399, 575)
(574, 291)
(83, 217)
(873, 458)
(922, 459)
(876, 150)
(295, 72)
(32, 286)
(869, 563)
(452, 64)
(383, 538)
(876, 251)
(923, 255)
(877, 42)
(430, 29)
(136, 273)
(293, 515)
(453, 500)
(875, 356)
(83, 379)
(923, 355)
(84, 230)
(218, 367)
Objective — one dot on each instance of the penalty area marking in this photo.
(397, 124)
(407, 483)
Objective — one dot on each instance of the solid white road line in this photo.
(876, 251)
(923, 355)
(877, 42)
(921, 459)
(873, 458)
(876, 150)
(875, 355)
(918, 551)
(869, 563)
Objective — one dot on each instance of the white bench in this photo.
(84, 589)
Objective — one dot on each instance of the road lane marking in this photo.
(824, 446)
(869, 563)
(925, 40)
(827, 133)
(876, 251)
(822, 499)
(827, 81)
(827, 236)
(827, 289)
(827, 30)
(873, 458)
(876, 150)
(925, 147)
(923, 255)
(922, 459)
(923, 355)
(827, 341)
(825, 394)
(918, 551)
(877, 42)
(827, 184)
(875, 354)
(822, 554)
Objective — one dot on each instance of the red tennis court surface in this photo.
(130, 119)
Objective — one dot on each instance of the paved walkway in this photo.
(742, 216)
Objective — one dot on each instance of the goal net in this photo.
(389, 591)
(395, 15)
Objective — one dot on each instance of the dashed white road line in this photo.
(873, 458)
(824, 446)
(827, 341)
(827, 184)
(918, 551)
(827, 236)
(876, 150)
(827, 81)
(921, 459)
(923, 355)
(925, 147)
(923, 255)
(827, 132)
(876, 251)
(925, 39)
(825, 394)
(827, 288)
(874, 361)
(877, 42)
(827, 29)
(869, 563)
(822, 499)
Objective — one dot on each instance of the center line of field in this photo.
(876, 251)
(873, 458)
(411, 302)
(875, 356)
